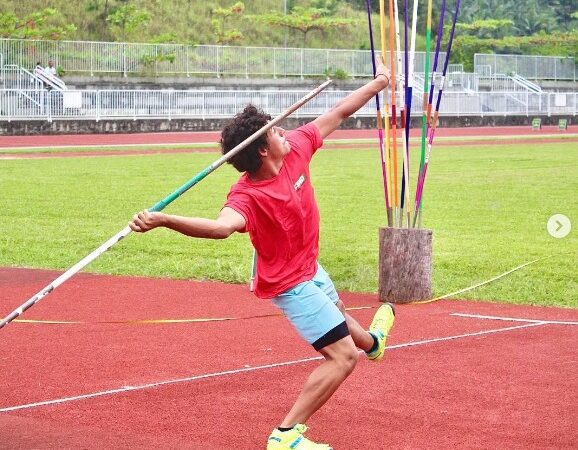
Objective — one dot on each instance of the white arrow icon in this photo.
(559, 226)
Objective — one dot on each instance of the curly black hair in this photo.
(240, 128)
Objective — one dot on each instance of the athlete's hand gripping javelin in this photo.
(382, 70)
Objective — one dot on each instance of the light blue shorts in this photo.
(311, 308)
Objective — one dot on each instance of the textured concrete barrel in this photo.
(405, 264)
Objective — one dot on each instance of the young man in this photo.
(50, 69)
(274, 202)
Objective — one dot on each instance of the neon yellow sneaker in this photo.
(380, 326)
(293, 440)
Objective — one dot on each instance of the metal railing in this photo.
(50, 81)
(178, 59)
(504, 83)
(533, 67)
(16, 77)
(213, 60)
(171, 104)
(527, 84)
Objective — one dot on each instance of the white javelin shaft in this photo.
(159, 206)
(65, 276)
(400, 80)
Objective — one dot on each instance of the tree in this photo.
(485, 29)
(101, 9)
(360, 4)
(126, 19)
(304, 20)
(528, 16)
(225, 37)
(566, 13)
(36, 25)
(555, 44)
(97, 5)
(329, 6)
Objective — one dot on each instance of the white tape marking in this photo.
(250, 369)
(516, 319)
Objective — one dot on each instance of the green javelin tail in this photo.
(424, 118)
(157, 207)
(162, 204)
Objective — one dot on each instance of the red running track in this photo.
(447, 381)
(202, 137)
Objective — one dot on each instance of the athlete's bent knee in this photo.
(347, 360)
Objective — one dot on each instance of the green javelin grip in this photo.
(159, 206)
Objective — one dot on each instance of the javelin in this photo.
(429, 104)
(400, 80)
(392, 55)
(424, 120)
(409, 56)
(434, 121)
(386, 122)
(409, 96)
(159, 206)
(435, 63)
(382, 153)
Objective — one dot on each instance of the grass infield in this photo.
(487, 205)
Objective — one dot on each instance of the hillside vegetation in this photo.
(501, 26)
(190, 21)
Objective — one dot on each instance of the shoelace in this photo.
(301, 428)
(381, 325)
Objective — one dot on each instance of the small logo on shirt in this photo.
(299, 182)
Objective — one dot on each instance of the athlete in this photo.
(274, 202)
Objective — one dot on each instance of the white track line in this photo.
(215, 143)
(248, 369)
(516, 319)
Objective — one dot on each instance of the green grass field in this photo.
(487, 206)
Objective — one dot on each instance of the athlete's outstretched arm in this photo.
(226, 224)
(330, 121)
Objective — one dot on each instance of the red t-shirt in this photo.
(282, 217)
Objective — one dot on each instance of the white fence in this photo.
(213, 60)
(532, 67)
(168, 104)
(179, 59)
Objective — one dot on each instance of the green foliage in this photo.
(528, 16)
(150, 60)
(304, 20)
(35, 25)
(165, 38)
(555, 44)
(193, 21)
(336, 74)
(360, 4)
(487, 28)
(238, 8)
(190, 21)
(96, 18)
(125, 20)
(219, 23)
(330, 7)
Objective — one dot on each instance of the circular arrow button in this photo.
(559, 226)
